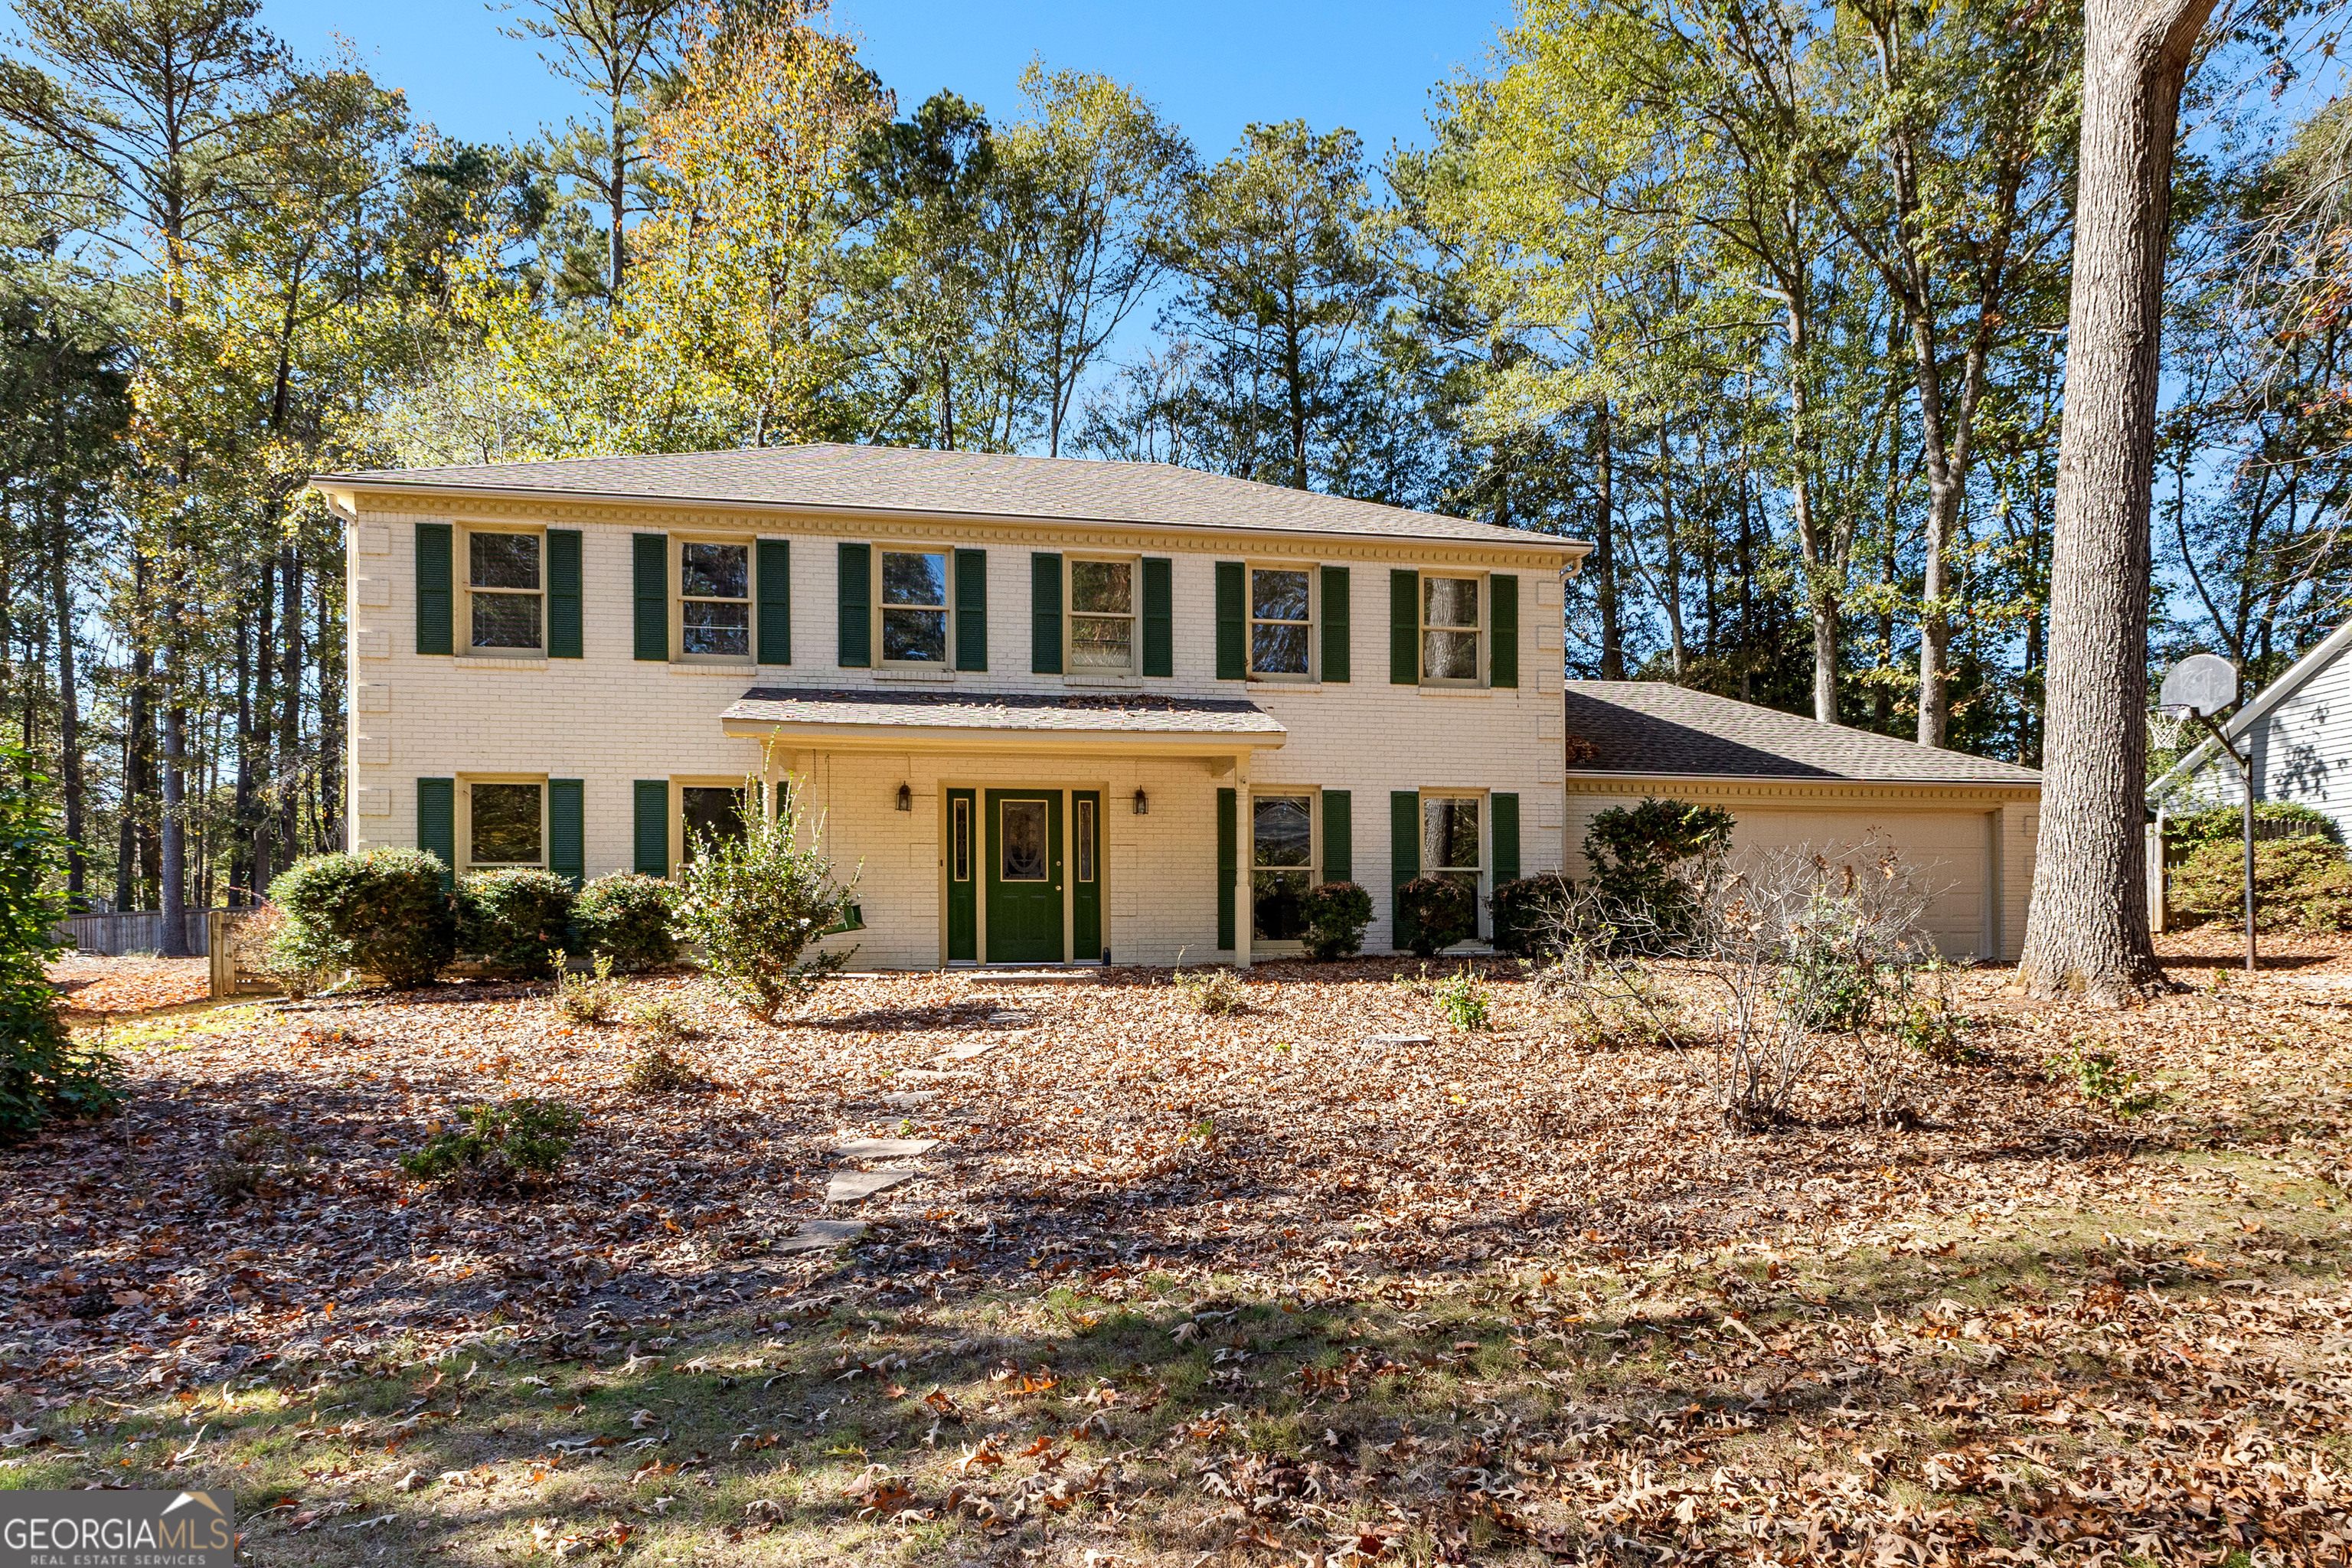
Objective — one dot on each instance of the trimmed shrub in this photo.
(1336, 915)
(2229, 822)
(514, 918)
(384, 911)
(1527, 910)
(2300, 884)
(43, 1076)
(626, 917)
(1437, 912)
(1633, 851)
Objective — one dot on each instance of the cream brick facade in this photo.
(610, 720)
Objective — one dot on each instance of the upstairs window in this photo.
(914, 608)
(1102, 616)
(714, 590)
(505, 606)
(1281, 621)
(1449, 630)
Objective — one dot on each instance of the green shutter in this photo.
(1405, 628)
(1046, 614)
(567, 831)
(653, 828)
(1503, 609)
(433, 598)
(1506, 837)
(774, 581)
(1335, 624)
(1232, 621)
(563, 593)
(1228, 866)
(1159, 617)
(1404, 853)
(853, 594)
(437, 823)
(1339, 836)
(972, 609)
(649, 568)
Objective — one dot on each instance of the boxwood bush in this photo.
(2300, 884)
(1525, 910)
(384, 911)
(1437, 912)
(626, 917)
(1336, 915)
(516, 919)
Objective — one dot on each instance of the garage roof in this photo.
(1649, 727)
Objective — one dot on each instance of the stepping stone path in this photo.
(911, 1098)
(1378, 1044)
(963, 1052)
(856, 1187)
(1011, 1018)
(819, 1233)
(887, 1148)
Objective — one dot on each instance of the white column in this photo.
(1243, 911)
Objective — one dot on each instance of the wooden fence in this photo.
(136, 931)
(229, 977)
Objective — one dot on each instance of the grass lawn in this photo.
(1175, 1289)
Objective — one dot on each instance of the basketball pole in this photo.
(2246, 774)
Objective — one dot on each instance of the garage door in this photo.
(1951, 850)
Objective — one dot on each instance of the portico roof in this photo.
(897, 721)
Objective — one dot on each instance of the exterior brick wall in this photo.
(610, 720)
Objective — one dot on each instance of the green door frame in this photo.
(1025, 918)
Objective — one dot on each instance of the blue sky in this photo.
(1214, 66)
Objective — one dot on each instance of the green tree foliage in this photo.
(43, 1076)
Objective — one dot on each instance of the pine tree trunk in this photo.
(1604, 552)
(2087, 933)
(69, 769)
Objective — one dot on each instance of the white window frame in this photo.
(945, 663)
(1483, 873)
(464, 565)
(1072, 614)
(1314, 867)
(1250, 623)
(466, 783)
(1478, 632)
(680, 599)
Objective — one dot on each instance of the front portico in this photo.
(1025, 829)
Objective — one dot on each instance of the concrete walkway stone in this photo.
(911, 1098)
(856, 1187)
(886, 1148)
(818, 1234)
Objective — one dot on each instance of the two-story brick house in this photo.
(1049, 711)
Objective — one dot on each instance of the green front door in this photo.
(1023, 867)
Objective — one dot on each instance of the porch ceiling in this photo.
(1027, 721)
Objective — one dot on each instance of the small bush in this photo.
(658, 1018)
(1336, 915)
(659, 1072)
(43, 1076)
(384, 911)
(2300, 884)
(514, 918)
(626, 917)
(586, 998)
(2103, 1080)
(1214, 991)
(1466, 1003)
(1527, 911)
(2229, 822)
(1437, 912)
(757, 903)
(493, 1146)
(1634, 852)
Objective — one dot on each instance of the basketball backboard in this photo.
(2204, 682)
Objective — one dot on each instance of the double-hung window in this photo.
(505, 610)
(1102, 617)
(914, 602)
(506, 824)
(1450, 629)
(1282, 623)
(1282, 863)
(714, 591)
(1452, 840)
(706, 815)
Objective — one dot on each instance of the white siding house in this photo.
(2300, 726)
(1049, 711)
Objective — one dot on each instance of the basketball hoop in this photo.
(2164, 724)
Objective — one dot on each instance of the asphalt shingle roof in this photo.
(1652, 727)
(1128, 713)
(900, 479)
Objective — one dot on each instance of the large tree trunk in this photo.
(2087, 932)
(70, 768)
(1604, 551)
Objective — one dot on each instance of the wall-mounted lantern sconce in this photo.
(906, 798)
(1142, 802)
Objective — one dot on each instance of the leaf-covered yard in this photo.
(1172, 1287)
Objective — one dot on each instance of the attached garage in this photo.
(1968, 822)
